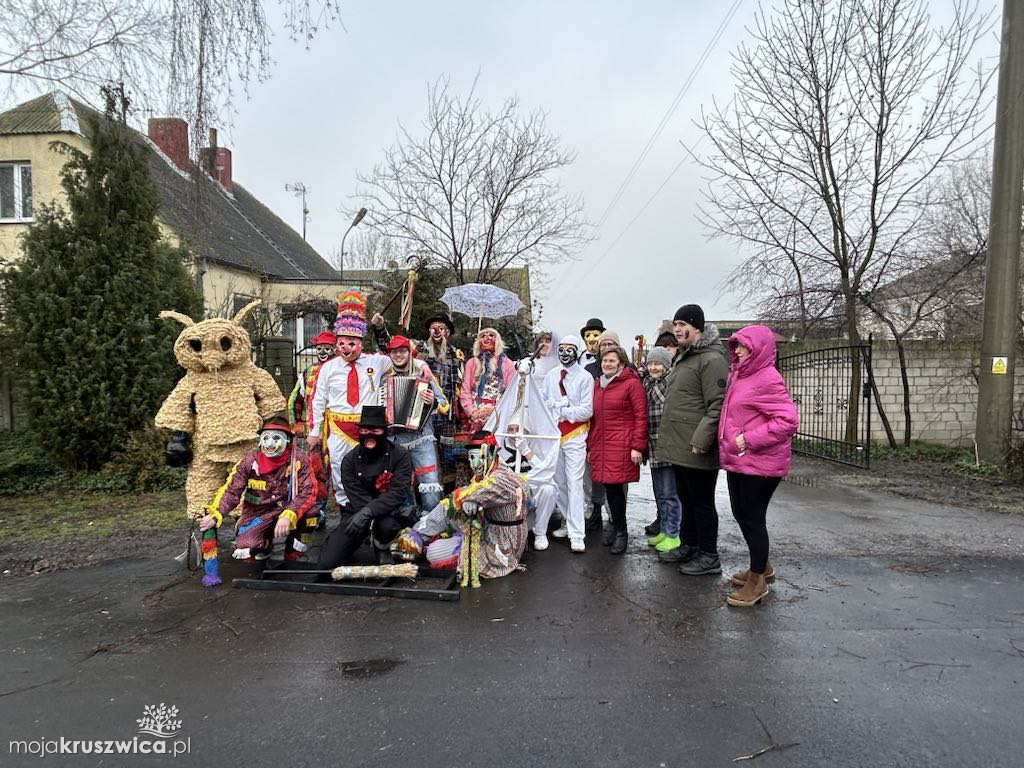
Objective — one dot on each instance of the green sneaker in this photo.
(654, 541)
(667, 543)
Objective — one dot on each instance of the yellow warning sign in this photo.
(999, 365)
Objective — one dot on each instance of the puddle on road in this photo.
(367, 667)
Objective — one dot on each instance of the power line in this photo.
(671, 110)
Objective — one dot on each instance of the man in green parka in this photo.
(689, 430)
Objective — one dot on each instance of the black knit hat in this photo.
(438, 319)
(692, 314)
(373, 417)
(593, 324)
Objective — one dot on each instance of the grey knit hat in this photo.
(659, 355)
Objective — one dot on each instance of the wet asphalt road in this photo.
(894, 637)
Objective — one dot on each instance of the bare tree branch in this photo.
(477, 193)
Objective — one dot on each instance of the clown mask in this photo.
(567, 354)
(591, 338)
(488, 340)
(273, 443)
(324, 352)
(350, 348)
(438, 332)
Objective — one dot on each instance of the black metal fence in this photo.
(832, 391)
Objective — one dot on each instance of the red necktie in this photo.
(561, 381)
(353, 384)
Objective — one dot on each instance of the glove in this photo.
(360, 523)
(179, 449)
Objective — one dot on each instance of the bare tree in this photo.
(184, 57)
(477, 192)
(843, 111)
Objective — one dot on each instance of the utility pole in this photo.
(1002, 266)
(300, 191)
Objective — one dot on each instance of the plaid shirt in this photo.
(655, 408)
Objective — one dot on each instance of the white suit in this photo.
(573, 410)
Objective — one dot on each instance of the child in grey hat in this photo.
(665, 539)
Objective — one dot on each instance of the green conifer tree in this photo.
(79, 312)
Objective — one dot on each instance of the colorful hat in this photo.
(324, 337)
(351, 314)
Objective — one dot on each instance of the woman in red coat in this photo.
(617, 439)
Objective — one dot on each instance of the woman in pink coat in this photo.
(617, 438)
(755, 433)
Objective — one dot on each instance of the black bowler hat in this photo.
(373, 417)
(438, 319)
(593, 324)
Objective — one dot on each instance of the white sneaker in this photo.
(241, 554)
(540, 542)
(577, 545)
(561, 533)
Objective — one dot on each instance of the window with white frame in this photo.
(15, 191)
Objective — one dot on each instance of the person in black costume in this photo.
(376, 475)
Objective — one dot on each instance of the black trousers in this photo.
(616, 495)
(699, 525)
(749, 496)
(339, 547)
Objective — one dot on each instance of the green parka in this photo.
(695, 388)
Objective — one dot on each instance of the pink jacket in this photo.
(757, 405)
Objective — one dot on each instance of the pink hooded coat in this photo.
(757, 405)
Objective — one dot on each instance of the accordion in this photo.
(403, 405)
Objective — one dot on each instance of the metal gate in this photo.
(832, 391)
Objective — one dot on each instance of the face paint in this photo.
(591, 338)
(567, 355)
(273, 443)
(488, 342)
(324, 352)
(350, 348)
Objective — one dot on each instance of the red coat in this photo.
(619, 425)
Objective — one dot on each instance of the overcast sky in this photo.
(605, 72)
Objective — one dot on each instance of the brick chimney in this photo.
(170, 134)
(216, 161)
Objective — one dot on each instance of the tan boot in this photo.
(740, 578)
(751, 593)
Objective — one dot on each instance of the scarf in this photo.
(605, 380)
(265, 465)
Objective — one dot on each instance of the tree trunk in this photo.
(853, 410)
(906, 389)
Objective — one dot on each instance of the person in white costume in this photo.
(569, 393)
(526, 432)
(346, 383)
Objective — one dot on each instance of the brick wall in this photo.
(943, 389)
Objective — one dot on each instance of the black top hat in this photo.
(438, 319)
(373, 417)
(593, 324)
(277, 423)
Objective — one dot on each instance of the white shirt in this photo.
(577, 404)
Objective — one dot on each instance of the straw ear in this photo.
(185, 320)
(240, 315)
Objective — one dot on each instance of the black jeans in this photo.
(696, 489)
(616, 495)
(339, 547)
(749, 496)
